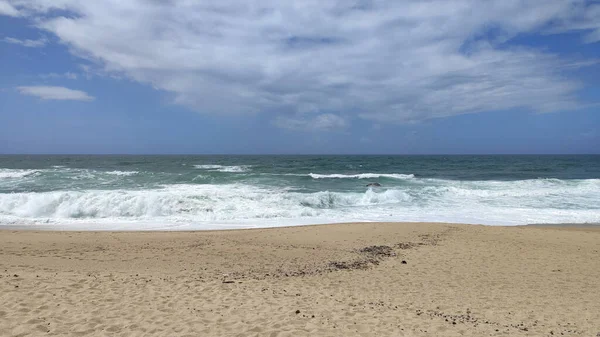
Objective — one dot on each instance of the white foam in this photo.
(240, 205)
(176, 202)
(361, 176)
(234, 169)
(208, 167)
(122, 173)
(223, 168)
(17, 173)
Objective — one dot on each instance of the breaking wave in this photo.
(223, 168)
(489, 202)
(122, 173)
(15, 174)
(361, 176)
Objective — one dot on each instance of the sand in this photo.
(418, 280)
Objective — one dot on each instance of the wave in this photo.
(191, 202)
(494, 202)
(224, 168)
(332, 200)
(17, 173)
(234, 169)
(122, 173)
(61, 172)
(362, 176)
(208, 167)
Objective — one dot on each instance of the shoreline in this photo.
(54, 228)
(354, 279)
(81, 227)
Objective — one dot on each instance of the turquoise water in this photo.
(206, 192)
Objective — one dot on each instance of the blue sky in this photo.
(253, 77)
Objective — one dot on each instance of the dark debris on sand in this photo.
(365, 258)
(408, 245)
(371, 255)
(349, 265)
(378, 251)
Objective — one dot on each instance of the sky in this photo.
(300, 77)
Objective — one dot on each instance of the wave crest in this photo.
(17, 173)
(122, 173)
(362, 176)
(491, 202)
(224, 168)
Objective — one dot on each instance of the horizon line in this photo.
(299, 154)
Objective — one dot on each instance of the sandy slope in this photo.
(458, 280)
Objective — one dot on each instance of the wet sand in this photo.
(388, 279)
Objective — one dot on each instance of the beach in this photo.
(361, 279)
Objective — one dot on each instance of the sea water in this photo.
(212, 192)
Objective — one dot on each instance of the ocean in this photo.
(220, 192)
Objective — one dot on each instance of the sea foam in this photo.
(200, 205)
(224, 168)
(122, 173)
(17, 173)
(362, 176)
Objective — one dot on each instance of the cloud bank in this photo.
(55, 93)
(325, 62)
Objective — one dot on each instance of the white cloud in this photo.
(593, 37)
(324, 122)
(588, 22)
(27, 43)
(68, 75)
(55, 93)
(381, 60)
(7, 9)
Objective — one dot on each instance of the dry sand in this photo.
(458, 280)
